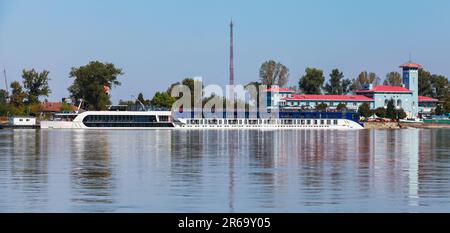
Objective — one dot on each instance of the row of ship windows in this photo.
(118, 119)
(257, 126)
(128, 125)
(262, 122)
(124, 118)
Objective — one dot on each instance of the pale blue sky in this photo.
(160, 42)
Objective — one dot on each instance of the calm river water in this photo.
(225, 171)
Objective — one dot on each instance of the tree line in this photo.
(390, 111)
(24, 97)
(91, 84)
(93, 81)
(164, 99)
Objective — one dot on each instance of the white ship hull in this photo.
(114, 120)
(71, 125)
(163, 120)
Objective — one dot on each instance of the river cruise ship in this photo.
(194, 120)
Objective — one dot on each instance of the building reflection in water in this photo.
(224, 170)
(231, 168)
(433, 165)
(28, 169)
(365, 147)
(92, 177)
(186, 167)
(411, 140)
(262, 149)
(322, 159)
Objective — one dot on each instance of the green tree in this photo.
(365, 78)
(90, 83)
(35, 84)
(321, 107)
(341, 107)
(312, 81)
(425, 87)
(364, 110)
(190, 83)
(4, 109)
(346, 86)
(441, 87)
(436, 86)
(393, 79)
(401, 114)
(446, 106)
(439, 110)
(66, 107)
(162, 99)
(433, 85)
(142, 100)
(273, 73)
(335, 87)
(254, 96)
(3, 96)
(390, 110)
(380, 112)
(17, 95)
(127, 102)
(11, 110)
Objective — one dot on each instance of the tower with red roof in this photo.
(411, 82)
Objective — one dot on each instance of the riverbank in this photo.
(381, 125)
(6, 126)
(424, 125)
(403, 125)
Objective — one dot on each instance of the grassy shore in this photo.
(403, 125)
(381, 125)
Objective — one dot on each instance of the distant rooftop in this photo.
(54, 107)
(427, 99)
(278, 89)
(411, 64)
(330, 97)
(385, 88)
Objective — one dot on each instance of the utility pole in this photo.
(6, 81)
(231, 62)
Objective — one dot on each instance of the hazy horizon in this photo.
(157, 43)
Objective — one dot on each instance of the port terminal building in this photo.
(405, 96)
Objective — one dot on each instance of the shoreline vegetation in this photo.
(92, 83)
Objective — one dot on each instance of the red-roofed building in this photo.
(405, 97)
(381, 94)
(311, 101)
(330, 98)
(279, 89)
(385, 89)
(274, 95)
(48, 108)
(428, 99)
(411, 65)
(427, 105)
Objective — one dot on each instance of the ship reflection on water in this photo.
(225, 171)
